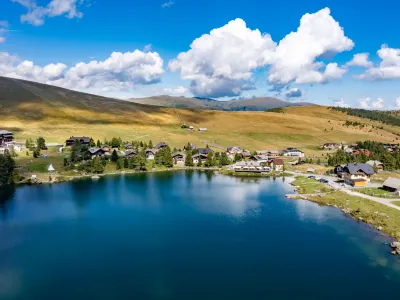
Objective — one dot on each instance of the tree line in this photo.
(375, 115)
(390, 160)
(7, 167)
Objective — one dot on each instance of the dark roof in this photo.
(85, 139)
(161, 145)
(355, 167)
(200, 155)
(177, 154)
(154, 151)
(95, 150)
(204, 150)
(129, 152)
(5, 132)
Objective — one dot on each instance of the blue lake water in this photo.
(185, 235)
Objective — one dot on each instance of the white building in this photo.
(293, 152)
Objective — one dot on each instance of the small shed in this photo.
(311, 170)
(392, 184)
(51, 168)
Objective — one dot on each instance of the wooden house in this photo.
(83, 140)
(357, 174)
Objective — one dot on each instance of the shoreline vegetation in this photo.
(381, 217)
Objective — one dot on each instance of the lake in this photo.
(185, 235)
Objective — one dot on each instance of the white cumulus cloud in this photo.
(120, 71)
(398, 102)
(389, 67)
(295, 58)
(368, 103)
(167, 4)
(36, 14)
(360, 60)
(222, 62)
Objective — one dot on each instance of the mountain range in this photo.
(253, 104)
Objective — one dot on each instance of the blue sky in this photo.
(54, 41)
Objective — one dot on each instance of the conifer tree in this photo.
(189, 159)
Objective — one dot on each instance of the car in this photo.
(311, 177)
(323, 180)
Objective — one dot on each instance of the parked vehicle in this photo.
(323, 180)
(311, 177)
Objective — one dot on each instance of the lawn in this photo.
(377, 192)
(310, 186)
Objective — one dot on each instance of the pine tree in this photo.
(41, 143)
(189, 159)
(141, 162)
(224, 160)
(114, 156)
(238, 157)
(209, 160)
(97, 166)
(65, 161)
(167, 158)
(199, 164)
(7, 166)
(150, 144)
(98, 145)
(120, 163)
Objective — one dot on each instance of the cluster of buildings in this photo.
(191, 128)
(7, 143)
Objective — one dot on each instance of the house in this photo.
(203, 129)
(338, 170)
(292, 152)
(106, 148)
(276, 164)
(179, 158)
(376, 164)
(151, 153)
(273, 153)
(204, 151)
(83, 140)
(250, 166)
(392, 184)
(246, 154)
(311, 170)
(360, 151)
(6, 136)
(190, 128)
(331, 146)
(161, 145)
(130, 153)
(15, 146)
(348, 150)
(198, 157)
(357, 174)
(94, 152)
(128, 146)
(234, 150)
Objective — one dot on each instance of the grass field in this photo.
(310, 186)
(32, 110)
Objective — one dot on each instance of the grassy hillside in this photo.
(255, 104)
(32, 110)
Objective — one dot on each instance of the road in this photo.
(348, 190)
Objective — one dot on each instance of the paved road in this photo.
(348, 190)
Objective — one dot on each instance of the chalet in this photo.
(246, 154)
(311, 170)
(190, 128)
(366, 152)
(161, 145)
(276, 164)
(274, 153)
(204, 151)
(392, 184)
(338, 170)
(260, 158)
(15, 146)
(151, 153)
(95, 152)
(106, 148)
(179, 158)
(203, 129)
(198, 157)
(6, 136)
(376, 164)
(234, 150)
(250, 166)
(130, 153)
(331, 146)
(357, 174)
(292, 152)
(128, 146)
(348, 150)
(83, 140)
